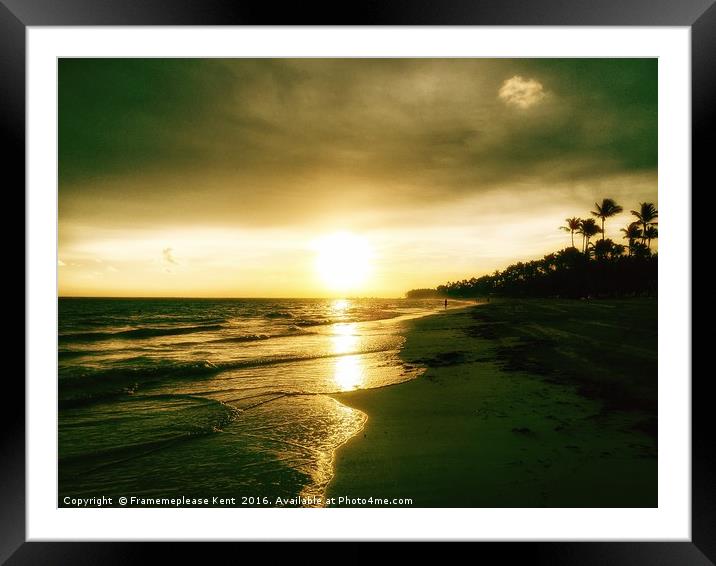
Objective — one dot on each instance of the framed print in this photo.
(425, 272)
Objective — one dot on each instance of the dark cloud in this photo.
(259, 141)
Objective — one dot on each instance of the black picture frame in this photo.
(17, 15)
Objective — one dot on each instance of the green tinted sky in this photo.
(451, 168)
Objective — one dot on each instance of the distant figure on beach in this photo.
(446, 304)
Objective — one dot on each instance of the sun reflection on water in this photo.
(340, 305)
(349, 371)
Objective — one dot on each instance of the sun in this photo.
(343, 261)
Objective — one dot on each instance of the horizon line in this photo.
(333, 298)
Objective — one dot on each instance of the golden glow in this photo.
(446, 241)
(348, 372)
(445, 168)
(343, 261)
(340, 305)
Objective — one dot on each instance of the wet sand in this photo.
(512, 414)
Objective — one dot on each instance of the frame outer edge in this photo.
(703, 460)
(12, 118)
(12, 416)
(371, 12)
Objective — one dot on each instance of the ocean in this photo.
(225, 398)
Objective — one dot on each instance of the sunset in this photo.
(344, 261)
(358, 283)
(216, 178)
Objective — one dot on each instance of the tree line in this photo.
(598, 267)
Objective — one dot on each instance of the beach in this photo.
(508, 403)
(524, 403)
(209, 399)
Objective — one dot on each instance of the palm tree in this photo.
(632, 233)
(646, 216)
(617, 250)
(602, 248)
(606, 249)
(588, 228)
(572, 226)
(651, 233)
(608, 208)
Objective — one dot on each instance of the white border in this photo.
(671, 520)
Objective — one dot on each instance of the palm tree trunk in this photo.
(572, 238)
(602, 227)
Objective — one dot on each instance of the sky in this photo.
(229, 177)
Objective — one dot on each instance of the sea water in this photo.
(217, 398)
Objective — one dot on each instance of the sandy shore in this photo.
(477, 431)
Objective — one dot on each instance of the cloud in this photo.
(168, 256)
(520, 92)
(273, 143)
(60, 263)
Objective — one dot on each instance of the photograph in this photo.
(358, 282)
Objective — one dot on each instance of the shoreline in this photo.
(336, 395)
(471, 431)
